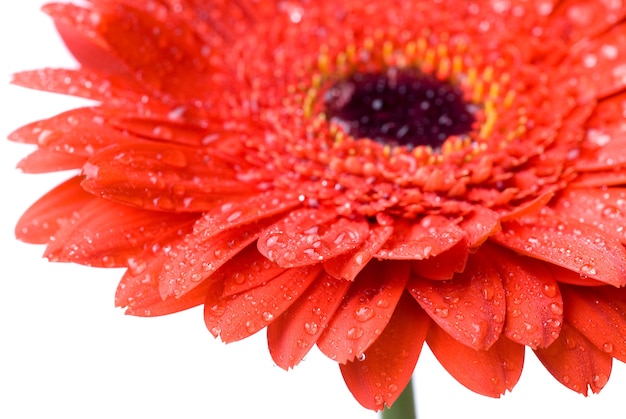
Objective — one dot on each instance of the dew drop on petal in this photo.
(364, 313)
(354, 333)
(549, 290)
(556, 309)
(588, 269)
(310, 328)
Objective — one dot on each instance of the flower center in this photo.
(399, 108)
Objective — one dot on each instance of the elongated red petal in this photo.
(44, 218)
(293, 334)
(575, 362)
(479, 225)
(430, 237)
(595, 314)
(138, 291)
(365, 310)
(596, 60)
(44, 161)
(77, 27)
(83, 83)
(161, 177)
(80, 131)
(246, 270)
(568, 243)
(604, 209)
(444, 265)
(379, 378)
(195, 257)
(311, 236)
(349, 264)
(584, 19)
(246, 210)
(534, 308)
(237, 317)
(488, 372)
(470, 307)
(106, 234)
(170, 62)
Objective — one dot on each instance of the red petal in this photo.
(239, 316)
(88, 84)
(45, 161)
(444, 265)
(534, 308)
(194, 258)
(566, 276)
(470, 306)
(159, 176)
(479, 225)
(106, 234)
(489, 372)
(576, 362)
(76, 27)
(164, 55)
(608, 155)
(365, 310)
(584, 19)
(246, 210)
(593, 312)
(603, 208)
(348, 265)
(163, 130)
(292, 335)
(138, 291)
(246, 270)
(42, 220)
(568, 243)
(598, 64)
(614, 177)
(431, 236)
(379, 379)
(79, 131)
(311, 236)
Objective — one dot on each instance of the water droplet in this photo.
(570, 343)
(442, 312)
(361, 357)
(488, 293)
(364, 313)
(250, 326)
(607, 347)
(378, 400)
(217, 310)
(383, 303)
(354, 333)
(136, 267)
(549, 290)
(556, 309)
(267, 316)
(600, 380)
(310, 328)
(588, 269)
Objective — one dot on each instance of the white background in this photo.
(66, 352)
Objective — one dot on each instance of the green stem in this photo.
(404, 407)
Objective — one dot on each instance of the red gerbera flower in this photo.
(363, 176)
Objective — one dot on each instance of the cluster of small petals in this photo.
(210, 168)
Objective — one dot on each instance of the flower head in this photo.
(364, 176)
